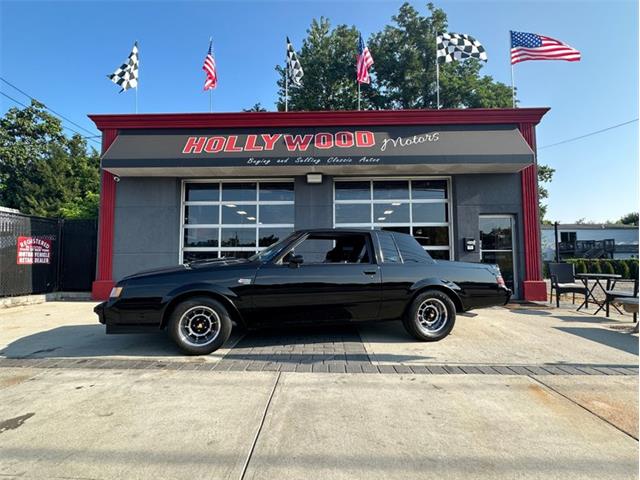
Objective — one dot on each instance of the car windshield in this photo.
(270, 252)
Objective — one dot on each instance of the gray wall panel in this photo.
(147, 191)
(490, 194)
(147, 224)
(128, 263)
(314, 203)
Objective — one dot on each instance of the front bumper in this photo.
(99, 310)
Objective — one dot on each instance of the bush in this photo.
(623, 269)
(545, 270)
(618, 267)
(633, 268)
(594, 266)
(581, 266)
(607, 267)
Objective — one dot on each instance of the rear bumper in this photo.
(496, 298)
(507, 295)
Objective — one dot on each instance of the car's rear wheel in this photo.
(199, 325)
(431, 316)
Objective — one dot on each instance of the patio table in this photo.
(597, 278)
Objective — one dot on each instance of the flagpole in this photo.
(513, 88)
(136, 43)
(437, 83)
(437, 76)
(358, 95)
(286, 78)
(211, 89)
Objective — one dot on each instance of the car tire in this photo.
(431, 316)
(199, 325)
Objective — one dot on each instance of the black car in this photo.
(312, 276)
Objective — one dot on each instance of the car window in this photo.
(388, 248)
(326, 249)
(410, 249)
(272, 251)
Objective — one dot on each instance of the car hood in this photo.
(213, 263)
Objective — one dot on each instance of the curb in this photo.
(8, 302)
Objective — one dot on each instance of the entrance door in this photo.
(497, 245)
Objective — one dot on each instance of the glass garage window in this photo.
(416, 206)
(234, 219)
(202, 192)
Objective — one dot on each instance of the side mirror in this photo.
(295, 261)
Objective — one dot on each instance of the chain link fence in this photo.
(42, 255)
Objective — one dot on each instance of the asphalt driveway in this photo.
(521, 393)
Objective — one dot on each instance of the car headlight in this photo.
(115, 292)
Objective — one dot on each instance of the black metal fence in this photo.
(42, 255)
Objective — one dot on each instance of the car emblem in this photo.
(244, 281)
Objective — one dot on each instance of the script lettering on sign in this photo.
(33, 250)
(401, 142)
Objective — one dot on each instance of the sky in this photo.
(61, 51)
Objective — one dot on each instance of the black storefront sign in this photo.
(336, 146)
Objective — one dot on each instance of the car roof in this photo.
(337, 230)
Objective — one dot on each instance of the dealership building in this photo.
(181, 187)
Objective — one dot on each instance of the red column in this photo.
(104, 281)
(533, 288)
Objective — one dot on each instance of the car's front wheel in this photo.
(199, 325)
(431, 316)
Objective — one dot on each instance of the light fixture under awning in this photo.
(336, 150)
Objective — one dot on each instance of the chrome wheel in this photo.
(199, 326)
(432, 316)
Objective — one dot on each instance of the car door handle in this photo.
(369, 272)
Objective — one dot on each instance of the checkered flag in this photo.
(294, 69)
(458, 46)
(126, 75)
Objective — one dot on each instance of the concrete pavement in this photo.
(114, 424)
(127, 406)
(522, 336)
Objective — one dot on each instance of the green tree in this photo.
(545, 175)
(257, 107)
(403, 76)
(328, 57)
(629, 219)
(42, 172)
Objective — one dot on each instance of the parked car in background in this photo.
(312, 276)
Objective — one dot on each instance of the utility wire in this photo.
(588, 134)
(67, 128)
(45, 106)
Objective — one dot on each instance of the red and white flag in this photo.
(209, 67)
(365, 60)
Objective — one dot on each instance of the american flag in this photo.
(209, 67)
(530, 46)
(365, 60)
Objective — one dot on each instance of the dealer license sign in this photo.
(33, 250)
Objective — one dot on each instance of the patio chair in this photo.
(563, 280)
(613, 294)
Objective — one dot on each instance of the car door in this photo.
(321, 289)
